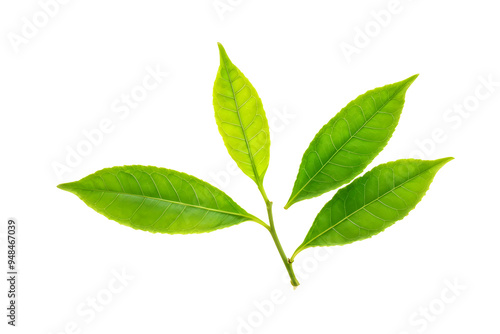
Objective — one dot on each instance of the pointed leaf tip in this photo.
(222, 52)
(411, 79)
(444, 161)
(64, 186)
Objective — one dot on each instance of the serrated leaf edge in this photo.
(291, 201)
(303, 246)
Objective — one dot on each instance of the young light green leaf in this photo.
(158, 200)
(372, 202)
(349, 141)
(241, 119)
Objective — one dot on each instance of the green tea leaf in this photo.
(349, 141)
(241, 119)
(158, 200)
(372, 202)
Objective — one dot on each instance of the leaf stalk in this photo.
(288, 264)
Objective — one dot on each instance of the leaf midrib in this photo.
(340, 149)
(250, 155)
(168, 201)
(302, 247)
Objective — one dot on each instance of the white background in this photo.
(65, 78)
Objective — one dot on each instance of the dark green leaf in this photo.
(349, 141)
(158, 200)
(372, 202)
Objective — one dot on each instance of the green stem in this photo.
(260, 222)
(297, 251)
(272, 230)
